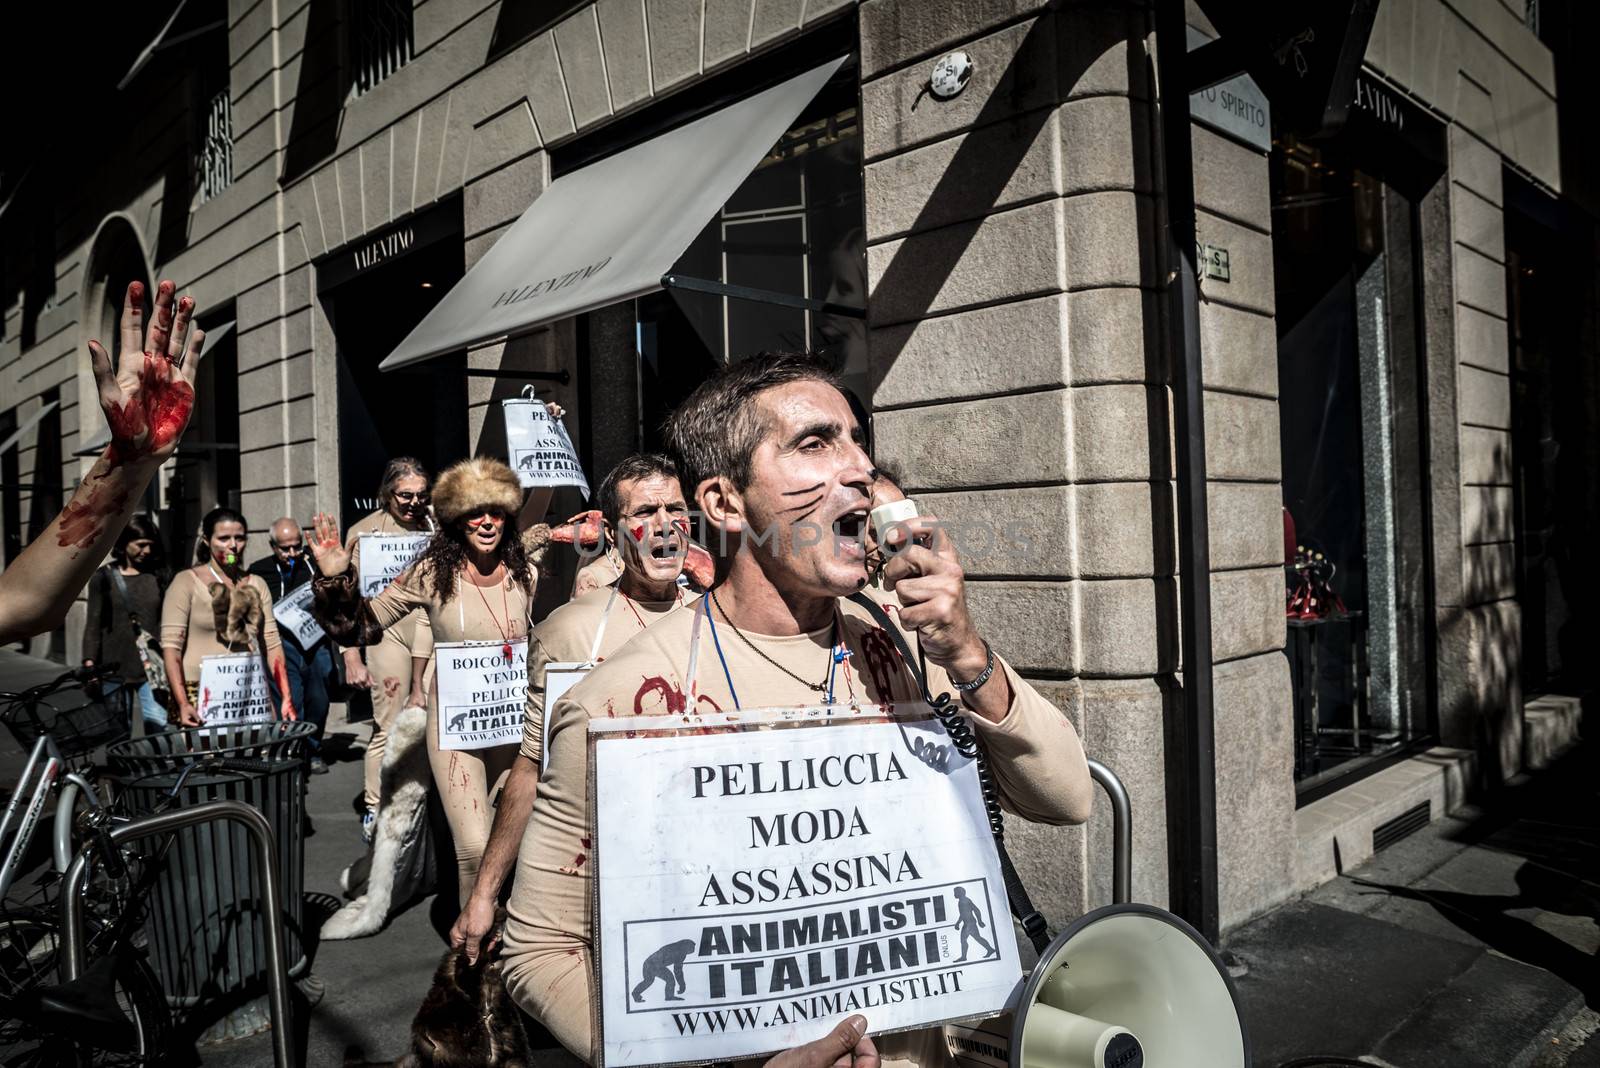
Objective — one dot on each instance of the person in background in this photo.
(216, 608)
(384, 668)
(646, 517)
(147, 398)
(286, 570)
(475, 581)
(124, 611)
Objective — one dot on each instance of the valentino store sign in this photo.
(376, 250)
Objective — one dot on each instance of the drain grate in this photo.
(1408, 822)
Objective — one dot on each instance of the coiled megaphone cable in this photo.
(965, 741)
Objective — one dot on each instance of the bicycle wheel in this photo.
(30, 1038)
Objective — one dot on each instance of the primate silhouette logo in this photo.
(458, 721)
(968, 923)
(526, 461)
(665, 964)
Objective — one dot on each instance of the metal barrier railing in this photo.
(72, 940)
(1121, 832)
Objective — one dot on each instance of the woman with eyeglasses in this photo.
(384, 669)
(475, 582)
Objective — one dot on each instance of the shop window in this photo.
(382, 40)
(793, 227)
(1354, 477)
(204, 473)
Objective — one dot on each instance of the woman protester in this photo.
(476, 582)
(124, 611)
(215, 609)
(384, 666)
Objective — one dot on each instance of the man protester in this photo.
(288, 568)
(646, 516)
(770, 452)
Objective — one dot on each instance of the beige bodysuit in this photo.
(568, 636)
(389, 661)
(467, 779)
(1034, 755)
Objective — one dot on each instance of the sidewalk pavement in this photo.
(1471, 942)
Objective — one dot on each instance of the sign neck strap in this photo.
(600, 631)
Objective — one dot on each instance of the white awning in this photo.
(609, 231)
(28, 424)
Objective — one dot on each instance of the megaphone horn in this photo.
(1127, 986)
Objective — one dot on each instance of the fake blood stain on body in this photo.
(83, 523)
(154, 418)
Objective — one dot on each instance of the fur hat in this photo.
(476, 484)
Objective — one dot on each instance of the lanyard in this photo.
(838, 651)
(600, 631)
(461, 613)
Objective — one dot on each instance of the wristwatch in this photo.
(983, 677)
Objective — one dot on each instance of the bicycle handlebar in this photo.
(79, 676)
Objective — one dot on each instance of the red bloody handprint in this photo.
(147, 393)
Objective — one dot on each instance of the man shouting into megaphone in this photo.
(771, 454)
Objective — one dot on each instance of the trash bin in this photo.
(170, 750)
(206, 930)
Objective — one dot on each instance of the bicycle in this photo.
(60, 741)
(115, 1012)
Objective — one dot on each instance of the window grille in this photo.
(382, 39)
(216, 150)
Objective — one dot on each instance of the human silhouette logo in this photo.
(969, 920)
(666, 964)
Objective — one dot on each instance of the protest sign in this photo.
(558, 679)
(539, 449)
(293, 613)
(385, 556)
(762, 875)
(482, 695)
(233, 689)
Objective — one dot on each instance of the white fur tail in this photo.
(402, 793)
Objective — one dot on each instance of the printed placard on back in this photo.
(385, 556)
(233, 689)
(539, 449)
(559, 677)
(481, 693)
(764, 875)
(293, 613)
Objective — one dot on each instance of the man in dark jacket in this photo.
(309, 666)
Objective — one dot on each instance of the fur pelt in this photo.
(536, 542)
(481, 482)
(402, 799)
(337, 604)
(236, 611)
(467, 1020)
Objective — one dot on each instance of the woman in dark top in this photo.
(125, 606)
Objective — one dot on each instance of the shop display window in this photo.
(793, 227)
(1357, 583)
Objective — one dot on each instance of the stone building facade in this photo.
(1010, 256)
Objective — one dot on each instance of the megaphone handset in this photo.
(965, 742)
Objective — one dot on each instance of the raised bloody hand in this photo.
(585, 530)
(147, 393)
(332, 557)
